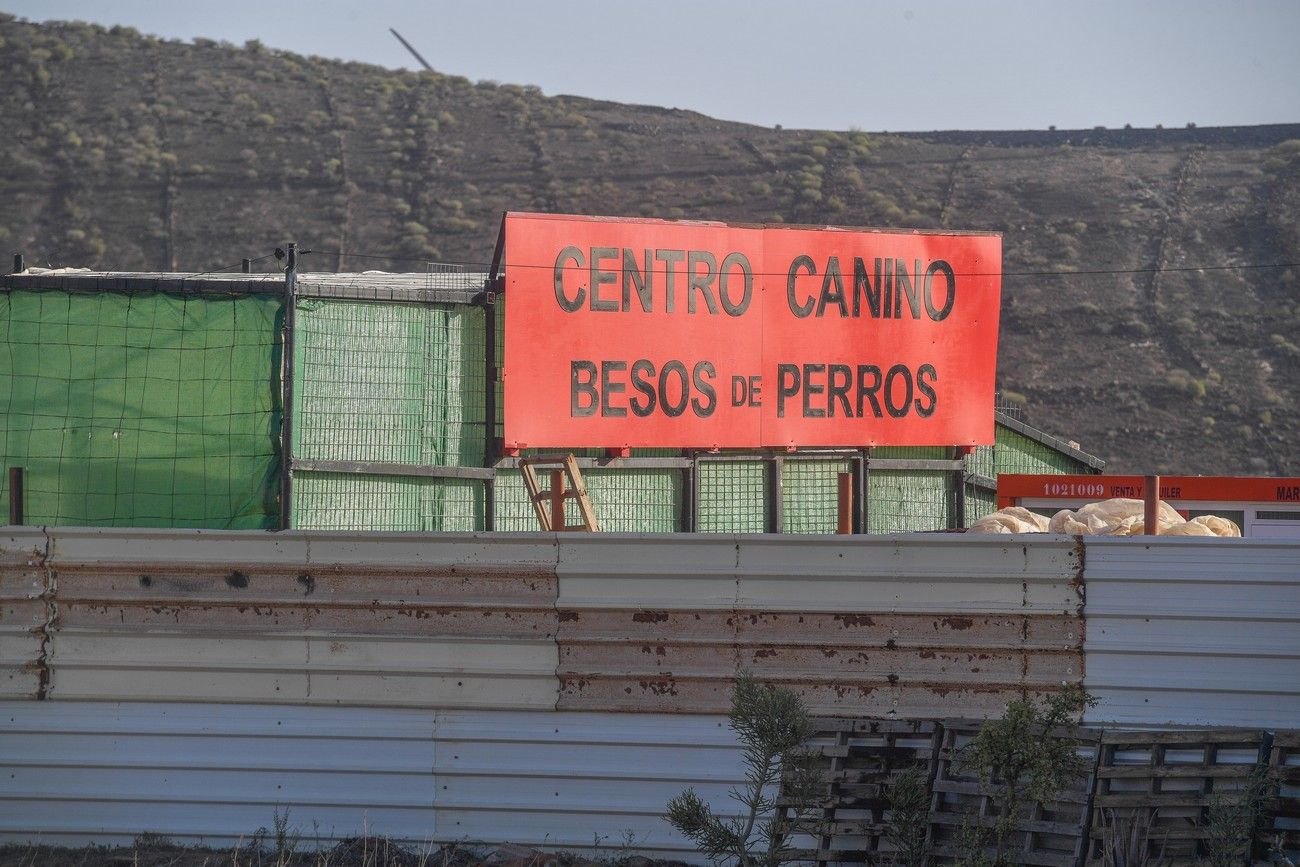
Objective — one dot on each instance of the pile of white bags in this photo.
(1117, 517)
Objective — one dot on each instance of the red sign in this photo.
(650, 333)
(1014, 488)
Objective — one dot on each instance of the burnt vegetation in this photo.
(127, 152)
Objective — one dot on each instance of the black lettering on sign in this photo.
(735, 260)
(800, 310)
(837, 389)
(701, 283)
(574, 255)
(672, 409)
(832, 288)
(583, 380)
(642, 281)
(809, 389)
(903, 287)
(1288, 493)
(670, 258)
(925, 403)
(939, 266)
(864, 288)
(607, 388)
(739, 391)
(640, 371)
(703, 376)
(899, 408)
(787, 382)
(869, 382)
(599, 277)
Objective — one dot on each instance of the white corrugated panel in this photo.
(908, 573)
(557, 779)
(77, 772)
(1193, 631)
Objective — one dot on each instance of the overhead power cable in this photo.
(1075, 273)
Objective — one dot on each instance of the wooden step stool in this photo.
(562, 468)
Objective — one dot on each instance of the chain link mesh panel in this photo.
(625, 500)
(1017, 453)
(142, 409)
(330, 501)
(734, 496)
(398, 383)
(810, 495)
(979, 502)
(903, 501)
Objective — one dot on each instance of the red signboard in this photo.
(650, 333)
(1015, 488)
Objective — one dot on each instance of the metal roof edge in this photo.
(1048, 440)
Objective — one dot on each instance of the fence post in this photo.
(490, 374)
(959, 489)
(286, 387)
(1151, 506)
(246, 265)
(19, 267)
(864, 495)
(776, 493)
(15, 496)
(844, 511)
(690, 494)
(558, 522)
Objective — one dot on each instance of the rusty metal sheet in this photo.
(26, 613)
(303, 669)
(909, 625)
(325, 618)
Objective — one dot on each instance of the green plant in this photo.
(772, 725)
(909, 817)
(1233, 817)
(1126, 840)
(1018, 760)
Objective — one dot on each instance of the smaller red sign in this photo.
(1014, 488)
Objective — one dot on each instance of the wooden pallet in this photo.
(566, 483)
(1047, 835)
(858, 758)
(1168, 780)
(1283, 816)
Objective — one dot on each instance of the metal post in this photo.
(558, 524)
(1151, 506)
(15, 496)
(690, 495)
(860, 494)
(286, 387)
(844, 526)
(19, 267)
(776, 494)
(490, 374)
(959, 492)
(864, 491)
(246, 265)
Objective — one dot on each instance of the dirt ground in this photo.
(356, 852)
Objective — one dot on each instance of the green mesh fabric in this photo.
(144, 410)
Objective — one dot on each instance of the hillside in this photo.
(125, 152)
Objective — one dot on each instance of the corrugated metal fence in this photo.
(543, 688)
(1205, 634)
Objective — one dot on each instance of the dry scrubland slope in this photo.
(125, 152)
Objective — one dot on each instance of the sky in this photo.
(875, 65)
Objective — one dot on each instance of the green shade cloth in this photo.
(144, 410)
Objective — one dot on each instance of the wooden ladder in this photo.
(548, 503)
